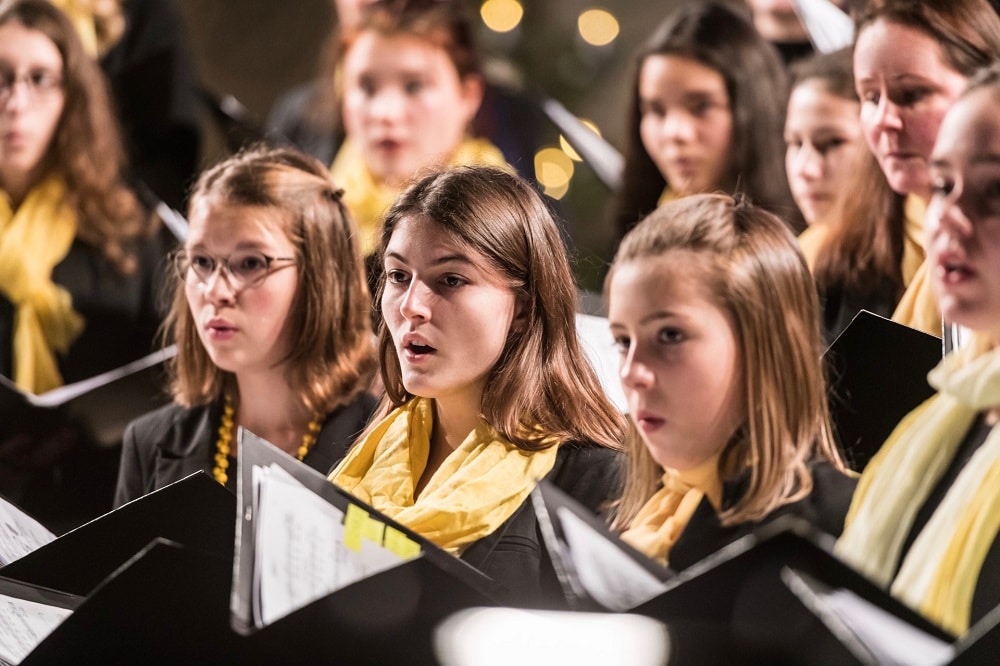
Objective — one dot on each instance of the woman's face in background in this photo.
(823, 147)
(686, 122)
(404, 104)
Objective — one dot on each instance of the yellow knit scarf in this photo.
(662, 519)
(478, 486)
(939, 573)
(918, 308)
(81, 15)
(368, 200)
(33, 239)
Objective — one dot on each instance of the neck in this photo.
(16, 188)
(269, 408)
(454, 419)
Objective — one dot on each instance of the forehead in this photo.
(889, 48)
(675, 74)
(971, 128)
(372, 50)
(214, 219)
(813, 98)
(415, 233)
(22, 45)
(675, 277)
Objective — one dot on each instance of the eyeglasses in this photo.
(39, 84)
(245, 269)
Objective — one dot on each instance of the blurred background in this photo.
(574, 51)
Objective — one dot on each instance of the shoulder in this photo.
(589, 473)
(158, 425)
(827, 504)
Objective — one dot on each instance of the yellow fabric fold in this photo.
(811, 240)
(81, 15)
(33, 240)
(477, 487)
(918, 308)
(939, 573)
(368, 200)
(662, 519)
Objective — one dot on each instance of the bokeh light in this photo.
(568, 149)
(598, 27)
(553, 170)
(501, 15)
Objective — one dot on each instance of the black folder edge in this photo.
(862, 432)
(194, 511)
(547, 499)
(813, 550)
(257, 452)
(134, 385)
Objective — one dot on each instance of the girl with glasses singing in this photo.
(270, 317)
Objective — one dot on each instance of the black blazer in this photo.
(825, 507)
(514, 555)
(172, 442)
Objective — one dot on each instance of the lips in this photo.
(415, 347)
(647, 421)
(220, 329)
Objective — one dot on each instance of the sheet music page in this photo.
(609, 575)
(599, 345)
(25, 624)
(19, 533)
(303, 548)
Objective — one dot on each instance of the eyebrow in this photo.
(651, 317)
(445, 259)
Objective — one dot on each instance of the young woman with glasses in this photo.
(270, 315)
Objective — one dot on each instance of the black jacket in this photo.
(172, 442)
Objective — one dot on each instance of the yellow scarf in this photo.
(478, 486)
(918, 308)
(939, 573)
(368, 200)
(33, 239)
(662, 519)
(811, 240)
(81, 15)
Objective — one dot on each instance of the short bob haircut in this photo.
(750, 265)
(86, 149)
(333, 359)
(543, 385)
(720, 38)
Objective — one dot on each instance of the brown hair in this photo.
(543, 384)
(86, 150)
(968, 31)
(834, 71)
(718, 37)
(333, 359)
(752, 267)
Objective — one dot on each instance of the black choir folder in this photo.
(389, 587)
(101, 406)
(878, 374)
(775, 596)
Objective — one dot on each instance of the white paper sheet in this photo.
(19, 533)
(25, 624)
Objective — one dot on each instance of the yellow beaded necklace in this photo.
(219, 471)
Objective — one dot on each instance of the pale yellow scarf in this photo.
(939, 573)
(369, 200)
(918, 308)
(33, 239)
(662, 519)
(478, 486)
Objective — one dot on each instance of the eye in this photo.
(413, 87)
(202, 263)
(910, 96)
(248, 264)
(652, 109)
(670, 336)
(453, 281)
(941, 186)
(870, 97)
(395, 276)
(700, 108)
(829, 145)
(622, 344)
(43, 79)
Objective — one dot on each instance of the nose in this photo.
(887, 115)
(635, 374)
(386, 104)
(16, 97)
(415, 304)
(951, 218)
(219, 287)
(678, 128)
(808, 162)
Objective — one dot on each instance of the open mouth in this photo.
(418, 349)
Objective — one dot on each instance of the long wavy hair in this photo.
(333, 359)
(86, 150)
(543, 388)
(752, 266)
